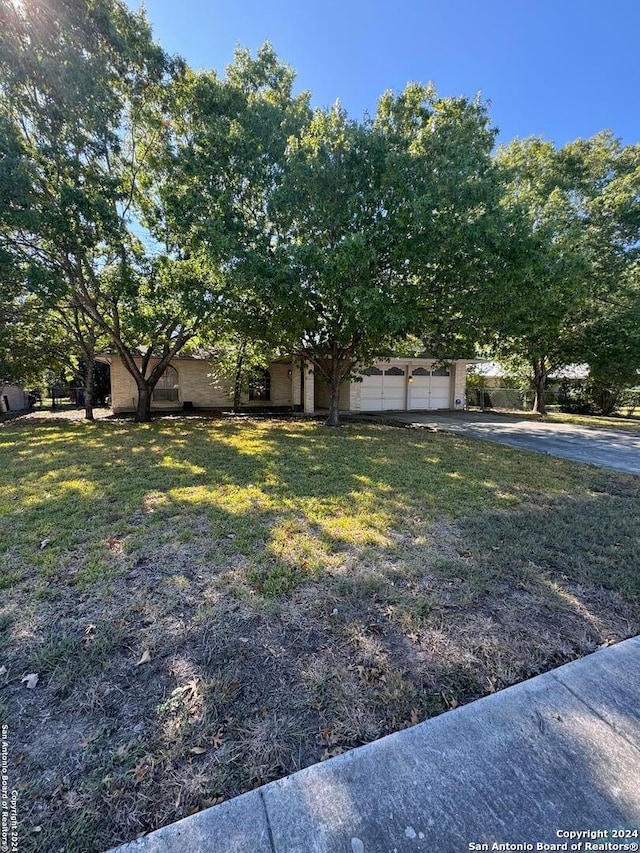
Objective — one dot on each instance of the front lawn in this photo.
(210, 605)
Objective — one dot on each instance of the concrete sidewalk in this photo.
(555, 755)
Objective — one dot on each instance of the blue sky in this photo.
(558, 68)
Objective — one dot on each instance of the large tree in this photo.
(607, 338)
(606, 176)
(379, 224)
(570, 235)
(213, 186)
(341, 235)
(83, 110)
(333, 281)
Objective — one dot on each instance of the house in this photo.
(495, 375)
(13, 398)
(392, 384)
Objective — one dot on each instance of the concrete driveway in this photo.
(610, 448)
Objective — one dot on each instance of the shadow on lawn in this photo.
(163, 539)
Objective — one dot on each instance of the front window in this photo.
(166, 390)
(260, 385)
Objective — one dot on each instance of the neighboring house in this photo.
(495, 375)
(13, 398)
(388, 385)
(491, 386)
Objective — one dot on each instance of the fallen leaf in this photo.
(207, 804)
(72, 799)
(114, 543)
(197, 750)
(31, 680)
(370, 674)
(3, 671)
(331, 753)
(115, 794)
(414, 716)
(450, 701)
(217, 740)
(328, 736)
(189, 690)
(142, 769)
(44, 544)
(146, 657)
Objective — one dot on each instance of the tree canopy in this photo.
(147, 208)
(82, 111)
(570, 238)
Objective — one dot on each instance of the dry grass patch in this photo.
(210, 605)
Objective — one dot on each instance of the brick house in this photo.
(392, 384)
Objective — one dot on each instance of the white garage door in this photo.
(383, 389)
(430, 389)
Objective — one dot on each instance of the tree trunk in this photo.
(539, 383)
(607, 401)
(143, 410)
(333, 419)
(89, 373)
(237, 381)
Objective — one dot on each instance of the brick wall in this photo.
(459, 384)
(200, 384)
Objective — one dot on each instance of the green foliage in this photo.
(82, 111)
(32, 342)
(379, 227)
(329, 231)
(571, 236)
(148, 208)
(341, 297)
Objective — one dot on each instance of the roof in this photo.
(495, 369)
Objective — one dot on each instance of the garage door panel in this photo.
(440, 389)
(371, 390)
(419, 391)
(430, 389)
(393, 395)
(371, 400)
(385, 389)
(393, 389)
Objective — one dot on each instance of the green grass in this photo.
(300, 591)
